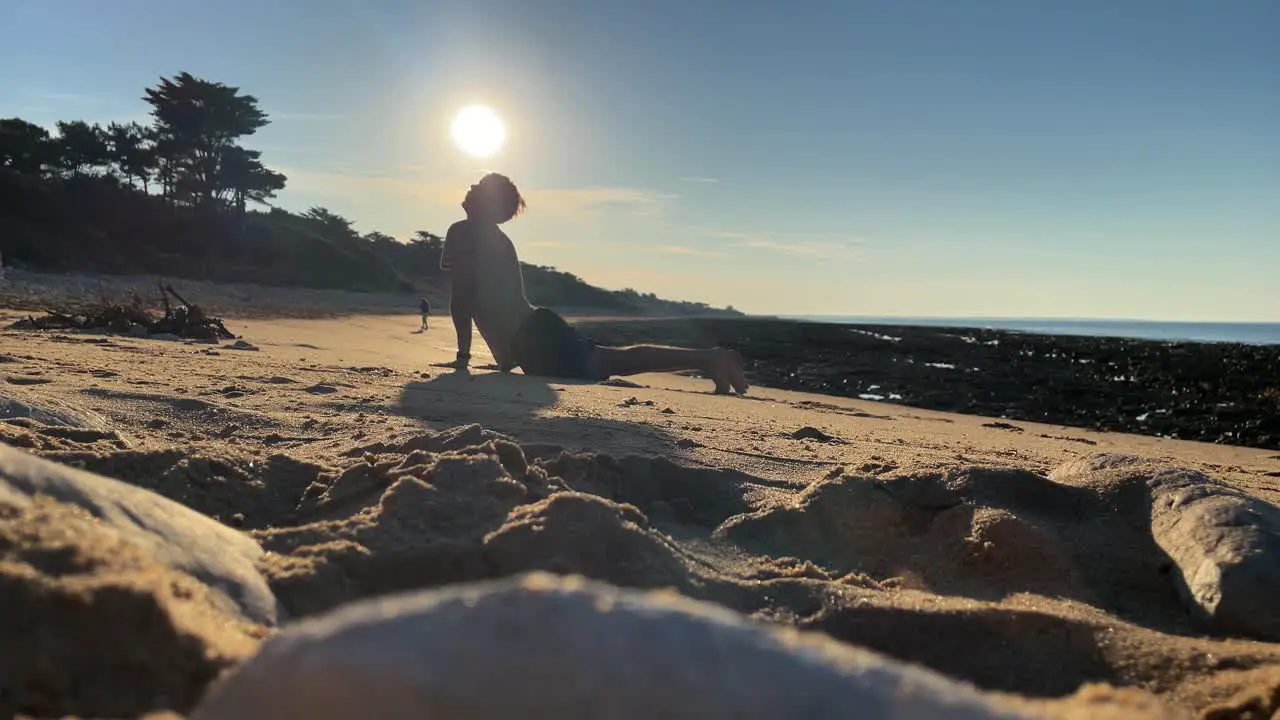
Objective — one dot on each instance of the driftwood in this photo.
(132, 317)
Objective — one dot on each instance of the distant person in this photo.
(424, 307)
(487, 287)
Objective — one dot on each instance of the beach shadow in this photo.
(514, 404)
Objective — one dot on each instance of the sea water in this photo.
(1220, 332)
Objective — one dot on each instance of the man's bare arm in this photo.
(458, 259)
(461, 298)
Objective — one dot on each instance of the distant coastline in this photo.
(1210, 332)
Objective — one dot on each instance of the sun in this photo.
(478, 131)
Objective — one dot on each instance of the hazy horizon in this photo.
(1028, 318)
(1251, 333)
(986, 159)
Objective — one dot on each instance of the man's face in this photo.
(469, 201)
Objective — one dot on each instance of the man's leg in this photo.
(722, 365)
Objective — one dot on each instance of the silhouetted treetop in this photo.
(24, 147)
(242, 172)
(83, 147)
(204, 113)
(428, 240)
(198, 124)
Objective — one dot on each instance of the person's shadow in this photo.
(515, 404)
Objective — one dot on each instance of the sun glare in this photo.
(478, 131)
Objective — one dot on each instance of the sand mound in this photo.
(573, 533)
(93, 625)
(984, 533)
(236, 489)
(429, 515)
(657, 486)
(478, 512)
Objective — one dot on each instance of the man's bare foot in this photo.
(726, 371)
(453, 365)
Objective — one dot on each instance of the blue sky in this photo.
(988, 157)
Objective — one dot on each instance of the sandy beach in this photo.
(815, 512)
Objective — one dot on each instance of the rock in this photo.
(27, 380)
(168, 337)
(242, 345)
(138, 330)
(176, 535)
(545, 647)
(14, 403)
(96, 626)
(812, 433)
(1226, 546)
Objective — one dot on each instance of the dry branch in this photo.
(132, 316)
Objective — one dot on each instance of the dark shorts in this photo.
(547, 345)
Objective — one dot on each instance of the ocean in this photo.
(1216, 332)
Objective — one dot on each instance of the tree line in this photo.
(191, 151)
(183, 196)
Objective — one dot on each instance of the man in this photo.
(488, 289)
(424, 307)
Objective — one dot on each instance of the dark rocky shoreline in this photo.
(1211, 392)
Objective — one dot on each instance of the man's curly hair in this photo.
(501, 196)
